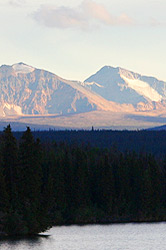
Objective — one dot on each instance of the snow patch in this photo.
(22, 68)
(142, 88)
(93, 83)
(11, 109)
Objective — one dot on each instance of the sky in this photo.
(75, 38)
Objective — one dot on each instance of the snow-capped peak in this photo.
(22, 68)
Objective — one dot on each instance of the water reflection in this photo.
(97, 237)
(23, 243)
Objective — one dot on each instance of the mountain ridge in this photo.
(36, 91)
(124, 86)
(28, 91)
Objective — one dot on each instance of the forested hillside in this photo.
(153, 142)
(51, 183)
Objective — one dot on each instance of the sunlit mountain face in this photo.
(111, 97)
(27, 90)
(123, 86)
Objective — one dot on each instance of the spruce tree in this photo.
(31, 183)
(4, 197)
(10, 164)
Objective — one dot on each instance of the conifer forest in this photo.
(47, 182)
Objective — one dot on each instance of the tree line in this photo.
(153, 142)
(49, 183)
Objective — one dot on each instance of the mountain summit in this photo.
(22, 68)
(123, 86)
(25, 90)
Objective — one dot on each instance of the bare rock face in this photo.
(126, 87)
(26, 90)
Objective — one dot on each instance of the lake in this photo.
(130, 236)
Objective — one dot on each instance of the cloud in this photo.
(96, 11)
(86, 15)
(154, 22)
(124, 19)
(16, 3)
(60, 17)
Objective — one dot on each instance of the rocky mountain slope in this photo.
(27, 90)
(123, 86)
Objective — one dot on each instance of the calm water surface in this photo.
(115, 237)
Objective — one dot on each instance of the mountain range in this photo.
(29, 92)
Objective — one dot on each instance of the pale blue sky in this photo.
(74, 38)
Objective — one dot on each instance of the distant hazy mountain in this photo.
(123, 86)
(27, 90)
(30, 91)
(159, 128)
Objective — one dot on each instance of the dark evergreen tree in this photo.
(4, 197)
(52, 183)
(31, 183)
(10, 165)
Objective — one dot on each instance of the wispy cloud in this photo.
(100, 13)
(86, 15)
(155, 22)
(16, 3)
(60, 17)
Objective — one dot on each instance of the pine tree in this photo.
(10, 164)
(31, 183)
